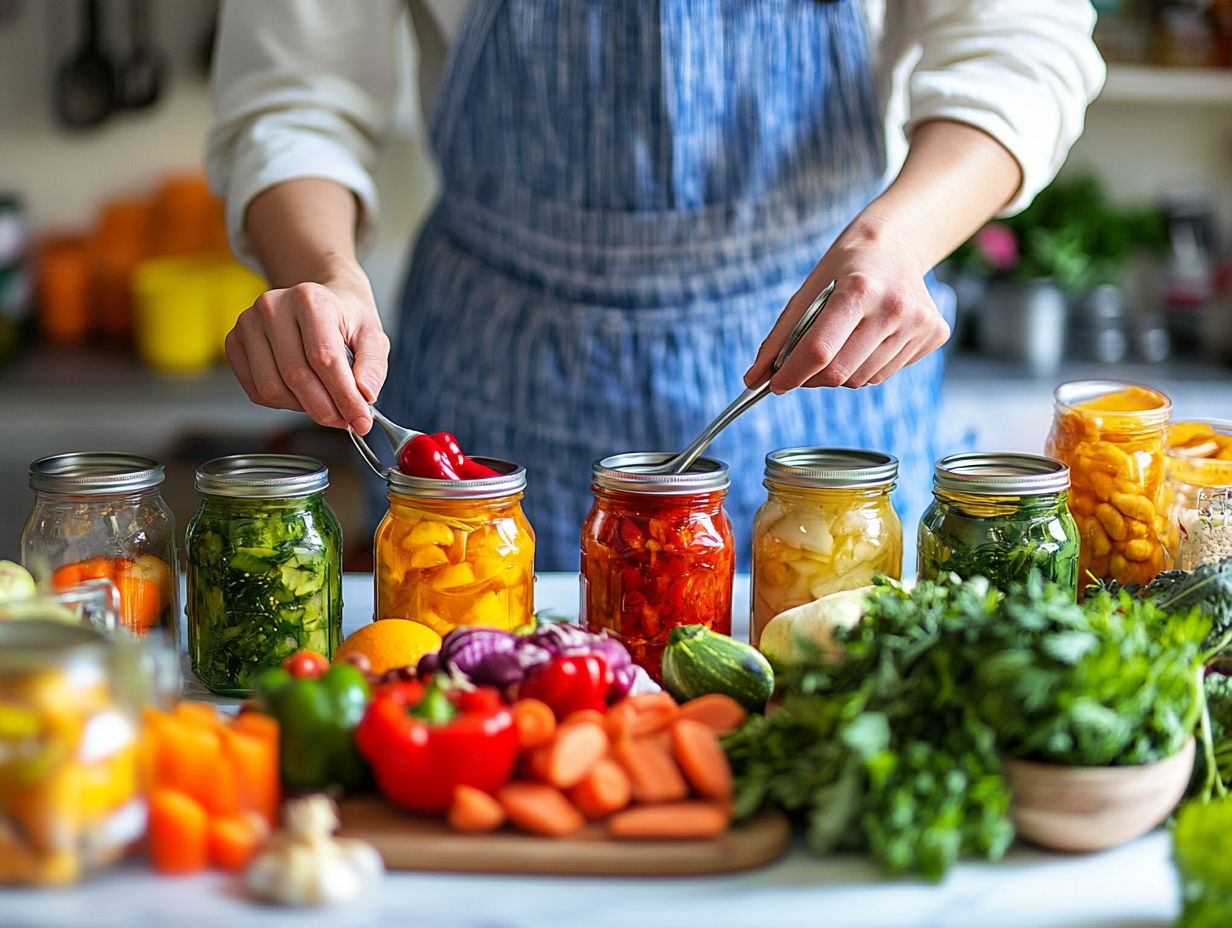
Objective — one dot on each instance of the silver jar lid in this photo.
(626, 473)
(263, 476)
(831, 468)
(1001, 474)
(95, 473)
(510, 479)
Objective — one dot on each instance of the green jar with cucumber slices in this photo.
(264, 555)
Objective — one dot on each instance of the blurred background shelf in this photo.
(1145, 84)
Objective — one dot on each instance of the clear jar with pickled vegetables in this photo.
(264, 554)
(1000, 516)
(70, 802)
(100, 515)
(1111, 435)
(827, 525)
(657, 552)
(456, 552)
(1198, 493)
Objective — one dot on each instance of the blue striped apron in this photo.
(632, 189)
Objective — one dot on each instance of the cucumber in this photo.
(698, 661)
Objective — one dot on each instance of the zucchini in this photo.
(698, 661)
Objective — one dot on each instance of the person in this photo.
(638, 199)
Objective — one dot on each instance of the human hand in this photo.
(879, 319)
(289, 351)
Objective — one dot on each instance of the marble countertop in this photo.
(1133, 886)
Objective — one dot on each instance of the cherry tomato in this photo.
(306, 664)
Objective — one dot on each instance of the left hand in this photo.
(879, 319)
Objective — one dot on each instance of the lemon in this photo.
(390, 643)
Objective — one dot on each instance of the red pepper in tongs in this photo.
(440, 457)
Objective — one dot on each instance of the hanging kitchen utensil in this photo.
(143, 73)
(85, 87)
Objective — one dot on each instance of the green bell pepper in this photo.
(316, 719)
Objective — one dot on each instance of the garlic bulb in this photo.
(306, 865)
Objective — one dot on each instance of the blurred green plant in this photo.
(1070, 233)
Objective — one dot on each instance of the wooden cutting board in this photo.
(409, 842)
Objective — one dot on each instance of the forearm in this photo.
(304, 231)
(954, 179)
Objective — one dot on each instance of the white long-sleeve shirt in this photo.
(305, 88)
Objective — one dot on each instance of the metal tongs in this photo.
(750, 397)
(398, 435)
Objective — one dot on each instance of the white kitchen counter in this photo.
(1130, 887)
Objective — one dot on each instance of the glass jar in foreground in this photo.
(1000, 516)
(264, 554)
(827, 525)
(69, 797)
(101, 515)
(1198, 493)
(456, 552)
(1111, 435)
(657, 552)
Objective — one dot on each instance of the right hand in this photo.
(288, 351)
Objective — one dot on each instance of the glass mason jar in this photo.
(657, 552)
(264, 554)
(456, 552)
(1000, 516)
(827, 525)
(100, 515)
(1198, 493)
(1111, 435)
(69, 792)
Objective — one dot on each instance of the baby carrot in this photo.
(474, 810)
(651, 769)
(178, 826)
(576, 748)
(671, 820)
(716, 710)
(535, 722)
(539, 809)
(697, 750)
(604, 790)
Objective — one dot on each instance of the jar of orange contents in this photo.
(1112, 436)
(456, 552)
(657, 552)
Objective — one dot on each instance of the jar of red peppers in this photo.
(657, 552)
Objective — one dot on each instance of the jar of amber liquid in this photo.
(657, 552)
(1111, 435)
(456, 552)
(827, 525)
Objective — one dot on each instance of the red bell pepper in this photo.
(423, 741)
(570, 684)
(440, 457)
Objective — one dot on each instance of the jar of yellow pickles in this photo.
(1198, 493)
(1111, 435)
(456, 552)
(827, 525)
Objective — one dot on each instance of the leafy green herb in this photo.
(896, 750)
(1208, 588)
(1202, 848)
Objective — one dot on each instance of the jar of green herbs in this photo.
(264, 556)
(1000, 516)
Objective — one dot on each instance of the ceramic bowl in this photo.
(1094, 808)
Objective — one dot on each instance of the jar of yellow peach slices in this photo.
(456, 552)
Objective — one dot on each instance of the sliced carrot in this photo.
(185, 753)
(604, 790)
(197, 713)
(670, 820)
(576, 748)
(474, 810)
(535, 722)
(539, 809)
(716, 710)
(652, 771)
(635, 716)
(585, 715)
(698, 752)
(256, 773)
(178, 826)
(233, 841)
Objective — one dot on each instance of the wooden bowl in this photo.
(1094, 808)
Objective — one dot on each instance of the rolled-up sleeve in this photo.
(1024, 72)
(301, 88)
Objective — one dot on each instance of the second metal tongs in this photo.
(750, 397)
